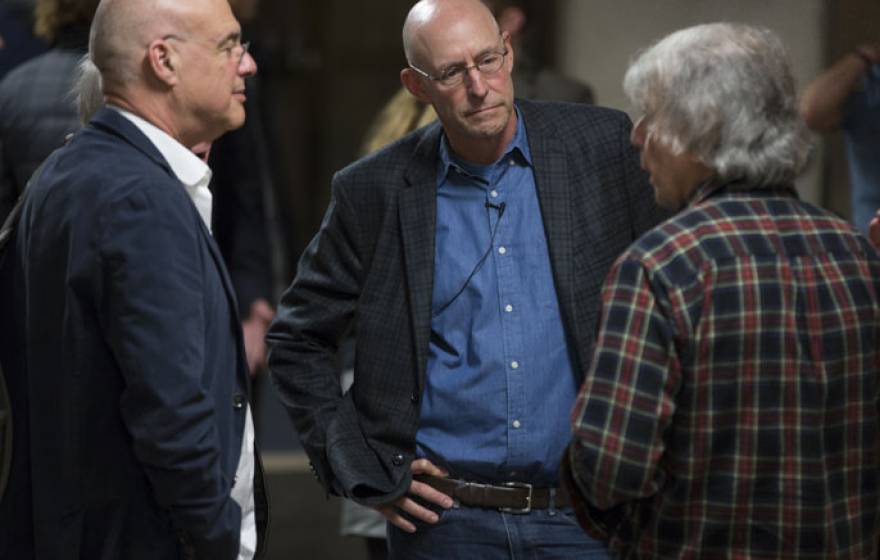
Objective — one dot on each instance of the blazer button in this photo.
(397, 460)
(238, 401)
(414, 398)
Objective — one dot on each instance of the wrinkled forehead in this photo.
(449, 40)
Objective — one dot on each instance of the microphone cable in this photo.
(500, 209)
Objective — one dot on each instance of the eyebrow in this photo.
(231, 37)
(478, 56)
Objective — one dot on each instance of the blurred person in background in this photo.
(532, 78)
(244, 212)
(847, 97)
(37, 108)
(730, 410)
(17, 40)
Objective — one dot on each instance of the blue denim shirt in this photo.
(500, 382)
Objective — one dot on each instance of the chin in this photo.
(236, 121)
(487, 130)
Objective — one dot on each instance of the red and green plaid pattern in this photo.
(731, 410)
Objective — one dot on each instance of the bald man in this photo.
(124, 353)
(470, 255)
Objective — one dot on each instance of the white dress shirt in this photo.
(195, 175)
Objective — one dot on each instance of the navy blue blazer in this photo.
(372, 265)
(126, 365)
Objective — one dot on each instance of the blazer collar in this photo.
(109, 120)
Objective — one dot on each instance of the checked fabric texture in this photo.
(731, 407)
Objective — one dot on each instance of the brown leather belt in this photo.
(511, 497)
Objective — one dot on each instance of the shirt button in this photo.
(238, 402)
(502, 250)
(511, 162)
(508, 308)
(397, 460)
(514, 365)
(493, 193)
(516, 424)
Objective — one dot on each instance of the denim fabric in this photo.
(487, 534)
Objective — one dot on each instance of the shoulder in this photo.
(386, 167)
(100, 169)
(678, 248)
(54, 66)
(550, 84)
(557, 116)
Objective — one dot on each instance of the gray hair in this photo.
(725, 94)
(88, 89)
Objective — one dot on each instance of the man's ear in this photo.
(508, 44)
(414, 84)
(163, 61)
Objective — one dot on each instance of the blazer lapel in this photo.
(418, 216)
(220, 265)
(551, 180)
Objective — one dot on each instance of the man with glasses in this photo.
(469, 254)
(124, 350)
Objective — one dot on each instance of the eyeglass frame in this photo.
(465, 70)
(245, 46)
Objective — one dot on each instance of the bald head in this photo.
(438, 14)
(122, 30)
(178, 64)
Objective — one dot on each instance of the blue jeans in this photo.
(464, 533)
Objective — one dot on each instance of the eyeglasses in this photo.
(453, 76)
(228, 50)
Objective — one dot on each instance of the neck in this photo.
(149, 111)
(156, 113)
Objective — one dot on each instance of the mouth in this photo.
(240, 95)
(481, 111)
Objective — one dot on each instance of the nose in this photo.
(247, 66)
(476, 84)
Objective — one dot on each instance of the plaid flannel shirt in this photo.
(731, 410)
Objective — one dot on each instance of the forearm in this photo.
(823, 101)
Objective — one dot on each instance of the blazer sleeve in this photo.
(314, 314)
(152, 299)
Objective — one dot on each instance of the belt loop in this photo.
(551, 504)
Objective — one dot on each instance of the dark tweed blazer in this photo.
(372, 265)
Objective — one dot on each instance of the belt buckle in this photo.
(525, 486)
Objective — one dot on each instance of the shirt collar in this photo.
(186, 166)
(713, 187)
(518, 148)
